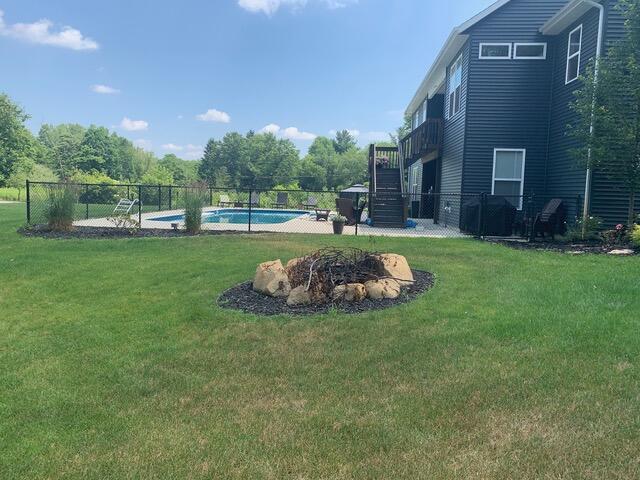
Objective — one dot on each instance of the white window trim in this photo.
(570, 56)
(532, 44)
(496, 179)
(508, 57)
(457, 61)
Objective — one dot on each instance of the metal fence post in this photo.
(86, 202)
(359, 215)
(532, 220)
(159, 197)
(210, 196)
(250, 202)
(140, 205)
(170, 195)
(481, 213)
(28, 202)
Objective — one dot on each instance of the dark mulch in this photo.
(242, 297)
(44, 231)
(573, 248)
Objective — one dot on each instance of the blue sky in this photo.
(169, 75)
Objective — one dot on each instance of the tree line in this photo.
(95, 155)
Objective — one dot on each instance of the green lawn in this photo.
(115, 362)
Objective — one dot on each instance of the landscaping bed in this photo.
(45, 231)
(597, 248)
(243, 297)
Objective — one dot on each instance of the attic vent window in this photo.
(495, 51)
(530, 51)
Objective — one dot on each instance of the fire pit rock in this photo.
(385, 288)
(352, 292)
(299, 296)
(397, 268)
(272, 280)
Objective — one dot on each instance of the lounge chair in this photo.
(312, 203)
(225, 201)
(254, 201)
(282, 200)
(551, 220)
(345, 207)
(124, 206)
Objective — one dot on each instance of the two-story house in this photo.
(491, 114)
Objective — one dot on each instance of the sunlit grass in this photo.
(115, 362)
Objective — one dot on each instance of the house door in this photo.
(415, 189)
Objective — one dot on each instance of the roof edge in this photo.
(565, 17)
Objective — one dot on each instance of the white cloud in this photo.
(188, 152)
(40, 32)
(172, 147)
(142, 143)
(269, 7)
(104, 89)
(133, 125)
(213, 115)
(292, 133)
(271, 128)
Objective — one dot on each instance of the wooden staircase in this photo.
(387, 204)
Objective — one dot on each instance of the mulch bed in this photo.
(243, 298)
(570, 248)
(44, 231)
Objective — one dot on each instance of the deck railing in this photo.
(425, 139)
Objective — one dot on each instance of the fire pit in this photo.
(349, 280)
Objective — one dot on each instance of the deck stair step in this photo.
(388, 202)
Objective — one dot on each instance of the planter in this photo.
(338, 227)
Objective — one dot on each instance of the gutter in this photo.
(589, 177)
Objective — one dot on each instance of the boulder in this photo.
(622, 252)
(299, 296)
(352, 292)
(385, 288)
(272, 280)
(397, 267)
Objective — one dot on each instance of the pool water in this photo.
(240, 215)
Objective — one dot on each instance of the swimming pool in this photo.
(239, 216)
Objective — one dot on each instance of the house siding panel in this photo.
(509, 100)
(453, 147)
(565, 175)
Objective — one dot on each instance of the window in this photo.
(424, 111)
(530, 51)
(574, 49)
(455, 87)
(495, 51)
(508, 175)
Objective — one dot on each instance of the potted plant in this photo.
(382, 162)
(338, 223)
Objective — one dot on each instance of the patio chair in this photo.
(312, 203)
(345, 207)
(225, 201)
(282, 200)
(551, 220)
(254, 201)
(124, 206)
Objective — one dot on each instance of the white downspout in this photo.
(589, 177)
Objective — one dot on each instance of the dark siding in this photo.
(610, 199)
(509, 99)
(565, 176)
(453, 147)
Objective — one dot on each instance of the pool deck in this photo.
(306, 224)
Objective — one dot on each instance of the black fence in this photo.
(314, 212)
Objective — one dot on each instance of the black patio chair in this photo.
(312, 203)
(282, 200)
(345, 207)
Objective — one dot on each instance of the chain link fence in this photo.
(359, 212)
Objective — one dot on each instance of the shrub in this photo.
(125, 222)
(635, 236)
(60, 206)
(193, 202)
(101, 193)
(617, 236)
(584, 230)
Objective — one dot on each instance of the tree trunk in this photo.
(632, 208)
